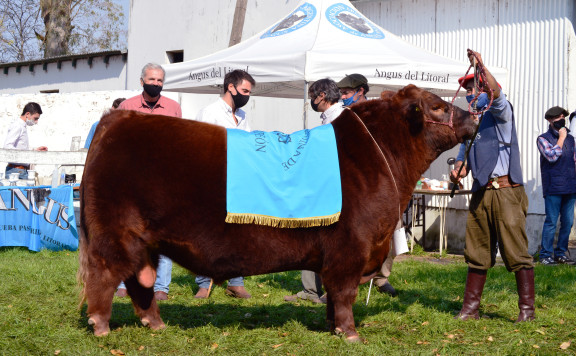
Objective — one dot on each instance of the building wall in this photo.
(83, 78)
(533, 39)
(64, 115)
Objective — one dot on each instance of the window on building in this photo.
(175, 56)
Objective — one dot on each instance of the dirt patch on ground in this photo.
(432, 257)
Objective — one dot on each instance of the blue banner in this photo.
(38, 218)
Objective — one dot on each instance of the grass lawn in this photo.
(39, 314)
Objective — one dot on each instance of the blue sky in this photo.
(126, 10)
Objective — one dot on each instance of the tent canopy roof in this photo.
(320, 39)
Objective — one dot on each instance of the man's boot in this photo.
(237, 292)
(525, 286)
(472, 295)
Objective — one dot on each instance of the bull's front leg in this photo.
(341, 296)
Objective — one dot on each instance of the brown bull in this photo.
(132, 210)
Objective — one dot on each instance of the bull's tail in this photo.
(82, 274)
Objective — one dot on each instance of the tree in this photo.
(57, 17)
(18, 21)
(31, 29)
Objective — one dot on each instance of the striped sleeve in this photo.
(551, 153)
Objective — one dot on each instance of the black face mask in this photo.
(152, 90)
(559, 124)
(239, 99)
(314, 106)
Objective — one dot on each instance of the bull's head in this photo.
(422, 108)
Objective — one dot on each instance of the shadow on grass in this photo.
(220, 315)
(440, 292)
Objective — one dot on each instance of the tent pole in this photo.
(305, 115)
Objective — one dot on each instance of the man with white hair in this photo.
(150, 101)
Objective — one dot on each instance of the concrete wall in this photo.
(64, 116)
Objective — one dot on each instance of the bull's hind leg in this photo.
(144, 303)
(341, 296)
(99, 291)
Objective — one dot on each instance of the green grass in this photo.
(39, 315)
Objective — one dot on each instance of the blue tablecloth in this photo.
(38, 217)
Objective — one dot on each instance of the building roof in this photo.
(72, 57)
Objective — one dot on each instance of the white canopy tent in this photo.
(319, 39)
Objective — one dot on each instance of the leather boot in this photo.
(237, 292)
(472, 295)
(525, 286)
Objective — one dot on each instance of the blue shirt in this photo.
(502, 112)
(91, 135)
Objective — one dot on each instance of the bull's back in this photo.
(137, 162)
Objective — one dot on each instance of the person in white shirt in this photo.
(226, 112)
(324, 98)
(17, 137)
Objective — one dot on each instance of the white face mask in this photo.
(31, 122)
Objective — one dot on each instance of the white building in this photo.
(533, 40)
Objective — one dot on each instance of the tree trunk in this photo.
(57, 21)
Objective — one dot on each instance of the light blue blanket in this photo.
(283, 180)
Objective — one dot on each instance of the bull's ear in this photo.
(415, 118)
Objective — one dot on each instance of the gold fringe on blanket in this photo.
(274, 221)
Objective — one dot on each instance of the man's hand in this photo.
(454, 178)
(471, 57)
(491, 82)
(562, 133)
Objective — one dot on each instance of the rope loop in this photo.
(479, 77)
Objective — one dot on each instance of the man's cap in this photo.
(464, 80)
(555, 111)
(352, 81)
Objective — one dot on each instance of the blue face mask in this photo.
(349, 101)
(481, 102)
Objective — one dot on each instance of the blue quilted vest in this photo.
(483, 155)
(558, 177)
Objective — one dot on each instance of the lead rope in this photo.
(393, 180)
(385, 160)
(479, 76)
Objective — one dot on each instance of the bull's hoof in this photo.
(349, 337)
(156, 325)
(100, 329)
(355, 339)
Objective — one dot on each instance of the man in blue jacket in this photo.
(558, 170)
(498, 206)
